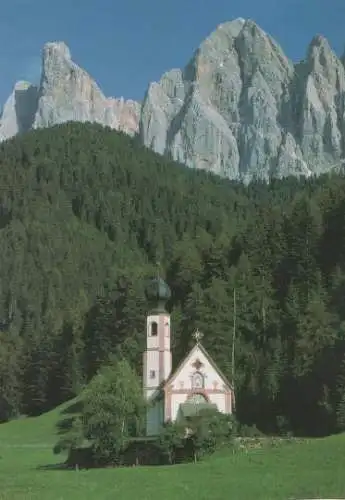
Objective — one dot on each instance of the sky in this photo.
(125, 44)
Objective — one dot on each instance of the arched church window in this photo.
(198, 380)
(154, 329)
(197, 399)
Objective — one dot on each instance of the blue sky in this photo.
(124, 44)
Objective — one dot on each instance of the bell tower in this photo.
(157, 359)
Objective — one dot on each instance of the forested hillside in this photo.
(85, 213)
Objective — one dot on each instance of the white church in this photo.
(196, 383)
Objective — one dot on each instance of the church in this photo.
(197, 383)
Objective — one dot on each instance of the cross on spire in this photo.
(197, 335)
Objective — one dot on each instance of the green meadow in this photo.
(288, 470)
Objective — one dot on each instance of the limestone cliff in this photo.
(66, 92)
(19, 110)
(240, 108)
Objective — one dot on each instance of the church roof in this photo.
(197, 346)
(158, 292)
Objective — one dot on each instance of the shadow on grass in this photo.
(60, 466)
(69, 415)
(73, 408)
(63, 466)
(72, 468)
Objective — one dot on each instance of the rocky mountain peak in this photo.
(239, 108)
(229, 28)
(66, 92)
(56, 48)
(19, 110)
(242, 109)
(320, 54)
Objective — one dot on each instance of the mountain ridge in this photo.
(239, 108)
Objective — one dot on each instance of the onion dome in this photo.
(158, 293)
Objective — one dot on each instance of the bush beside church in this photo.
(180, 442)
(107, 426)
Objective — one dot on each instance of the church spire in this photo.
(158, 292)
(157, 359)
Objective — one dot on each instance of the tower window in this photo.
(154, 329)
(152, 373)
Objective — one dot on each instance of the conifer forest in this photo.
(86, 214)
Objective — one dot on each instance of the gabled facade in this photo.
(197, 381)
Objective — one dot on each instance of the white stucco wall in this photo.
(219, 400)
(184, 374)
(155, 345)
(215, 388)
(152, 364)
(163, 338)
(157, 363)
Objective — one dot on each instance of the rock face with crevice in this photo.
(18, 113)
(66, 93)
(240, 108)
(243, 110)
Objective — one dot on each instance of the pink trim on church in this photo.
(201, 392)
(161, 322)
(204, 392)
(145, 368)
(228, 402)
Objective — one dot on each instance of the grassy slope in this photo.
(302, 470)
